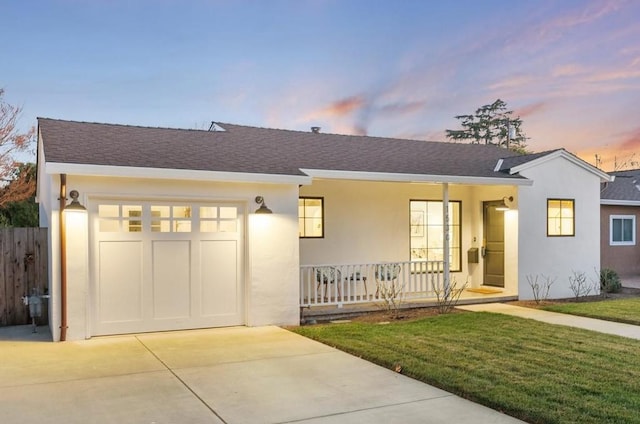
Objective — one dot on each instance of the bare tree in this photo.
(12, 142)
(630, 162)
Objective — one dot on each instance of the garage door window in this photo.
(171, 219)
(214, 219)
(120, 218)
(167, 218)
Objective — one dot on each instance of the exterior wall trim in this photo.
(172, 174)
(604, 177)
(612, 202)
(414, 178)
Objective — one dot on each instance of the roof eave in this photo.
(604, 177)
(615, 202)
(172, 174)
(414, 178)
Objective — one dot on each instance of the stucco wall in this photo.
(625, 260)
(558, 257)
(271, 244)
(368, 222)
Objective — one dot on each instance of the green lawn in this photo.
(537, 372)
(620, 310)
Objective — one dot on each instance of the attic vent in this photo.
(315, 130)
(215, 127)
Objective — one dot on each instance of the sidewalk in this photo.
(226, 376)
(609, 327)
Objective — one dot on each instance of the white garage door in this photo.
(165, 266)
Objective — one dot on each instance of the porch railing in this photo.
(359, 283)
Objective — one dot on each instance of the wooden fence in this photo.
(23, 270)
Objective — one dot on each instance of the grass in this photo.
(619, 310)
(534, 371)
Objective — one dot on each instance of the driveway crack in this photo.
(184, 383)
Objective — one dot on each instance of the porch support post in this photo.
(445, 231)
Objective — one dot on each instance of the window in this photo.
(311, 217)
(426, 232)
(120, 218)
(170, 219)
(622, 230)
(560, 217)
(222, 219)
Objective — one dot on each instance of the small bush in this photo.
(609, 281)
(540, 289)
(580, 286)
(447, 297)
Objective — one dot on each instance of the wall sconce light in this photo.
(263, 207)
(75, 205)
(504, 207)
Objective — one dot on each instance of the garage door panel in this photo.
(171, 279)
(219, 277)
(166, 265)
(120, 288)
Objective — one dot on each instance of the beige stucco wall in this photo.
(558, 257)
(271, 244)
(367, 222)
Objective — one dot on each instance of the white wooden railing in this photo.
(339, 285)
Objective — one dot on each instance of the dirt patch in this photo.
(403, 315)
(624, 294)
(411, 314)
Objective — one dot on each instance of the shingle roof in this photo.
(513, 161)
(260, 150)
(626, 186)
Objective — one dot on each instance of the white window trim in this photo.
(633, 230)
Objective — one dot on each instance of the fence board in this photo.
(23, 271)
(3, 288)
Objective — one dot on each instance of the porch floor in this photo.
(318, 313)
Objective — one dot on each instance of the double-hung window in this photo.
(622, 230)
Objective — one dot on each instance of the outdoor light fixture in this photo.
(263, 208)
(75, 204)
(504, 207)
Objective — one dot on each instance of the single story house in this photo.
(168, 236)
(619, 211)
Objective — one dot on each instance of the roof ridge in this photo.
(376, 137)
(122, 125)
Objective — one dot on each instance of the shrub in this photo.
(579, 285)
(447, 297)
(609, 281)
(540, 289)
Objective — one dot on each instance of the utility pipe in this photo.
(63, 259)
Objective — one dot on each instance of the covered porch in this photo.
(377, 236)
(339, 291)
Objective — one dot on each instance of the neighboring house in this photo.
(619, 211)
(170, 239)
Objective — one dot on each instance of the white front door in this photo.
(159, 265)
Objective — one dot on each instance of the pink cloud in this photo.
(619, 155)
(340, 107)
(631, 140)
(569, 70)
(614, 75)
(530, 109)
(592, 13)
(403, 108)
(512, 82)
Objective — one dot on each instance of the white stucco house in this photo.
(170, 238)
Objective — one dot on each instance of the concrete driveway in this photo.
(229, 375)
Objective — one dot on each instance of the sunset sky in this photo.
(404, 68)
